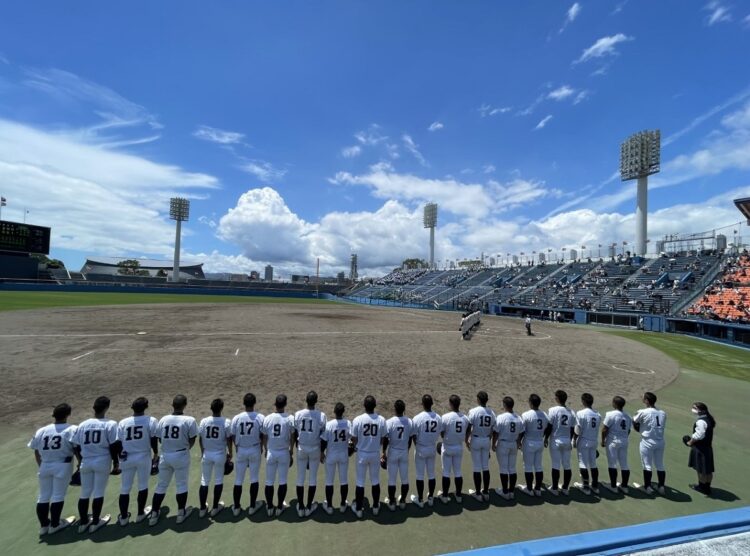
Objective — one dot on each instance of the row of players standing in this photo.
(127, 446)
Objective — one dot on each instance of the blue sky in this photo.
(304, 130)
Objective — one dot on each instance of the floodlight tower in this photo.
(639, 158)
(179, 210)
(430, 221)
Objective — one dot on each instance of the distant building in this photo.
(155, 268)
(254, 275)
(269, 274)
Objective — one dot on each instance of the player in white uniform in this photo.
(96, 442)
(615, 431)
(505, 444)
(309, 425)
(215, 439)
(650, 423)
(139, 438)
(426, 430)
(535, 423)
(559, 437)
(53, 452)
(278, 441)
(368, 434)
(478, 440)
(396, 454)
(586, 439)
(246, 435)
(177, 433)
(454, 428)
(335, 448)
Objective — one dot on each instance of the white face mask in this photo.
(695, 411)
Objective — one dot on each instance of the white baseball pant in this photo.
(424, 462)
(652, 455)
(617, 455)
(138, 463)
(560, 451)
(506, 457)
(247, 458)
(451, 458)
(212, 463)
(307, 460)
(95, 476)
(398, 466)
(532, 455)
(277, 462)
(480, 453)
(177, 464)
(368, 462)
(337, 460)
(53, 481)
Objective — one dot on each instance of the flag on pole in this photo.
(3, 202)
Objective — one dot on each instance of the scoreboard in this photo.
(24, 238)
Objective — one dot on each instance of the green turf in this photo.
(14, 300)
(693, 353)
(414, 532)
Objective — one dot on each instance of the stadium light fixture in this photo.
(430, 221)
(640, 156)
(179, 210)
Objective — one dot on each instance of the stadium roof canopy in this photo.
(743, 205)
(145, 263)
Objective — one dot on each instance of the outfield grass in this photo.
(15, 300)
(693, 353)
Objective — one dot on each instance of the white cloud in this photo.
(543, 122)
(205, 220)
(371, 136)
(220, 136)
(351, 152)
(263, 170)
(488, 169)
(435, 126)
(746, 21)
(570, 16)
(605, 46)
(4, 60)
(581, 96)
(413, 148)
(719, 13)
(561, 93)
(96, 200)
(489, 110)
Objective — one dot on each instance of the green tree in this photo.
(45, 260)
(131, 267)
(410, 264)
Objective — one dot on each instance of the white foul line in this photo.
(82, 356)
(236, 353)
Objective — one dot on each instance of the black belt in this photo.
(180, 450)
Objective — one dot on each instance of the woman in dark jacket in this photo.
(701, 449)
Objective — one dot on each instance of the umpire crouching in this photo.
(701, 450)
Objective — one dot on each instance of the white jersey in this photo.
(400, 430)
(534, 424)
(54, 443)
(175, 432)
(246, 428)
(95, 436)
(618, 425)
(482, 421)
(427, 427)
(454, 428)
(214, 432)
(589, 422)
(652, 422)
(136, 433)
(563, 422)
(368, 429)
(309, 424)
(508, 427)
(337, 434)
(278, 429)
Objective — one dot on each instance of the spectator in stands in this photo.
(701, 449)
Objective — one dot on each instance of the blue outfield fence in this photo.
(633, 538)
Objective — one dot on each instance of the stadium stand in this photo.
(727, 298)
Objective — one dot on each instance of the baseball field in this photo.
(52, 350)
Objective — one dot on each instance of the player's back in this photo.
(54, 442)
(175, 432)
(399, 431)
(534, 423)
(482, 421)
(95, 436)
(563, 421)
(278, 428)
(589, 422)
(618, 425)
(309, 424)
(427, 428)
(135, 433)
(508, 426)
(652, 422)
(246, 429)
(369, 428)
(454, 428)
(214, 432)
(337, 434)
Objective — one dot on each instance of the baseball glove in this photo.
(155, 467)
(384, 462)
(352, 449)
(75, 479)
(685, 439)
(597, 454)
(439, 448)
(228, 467)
